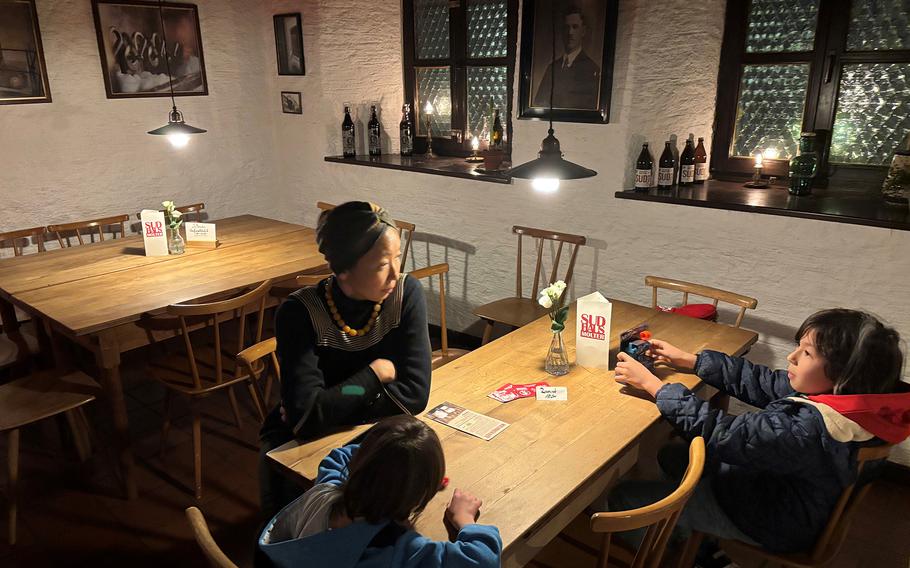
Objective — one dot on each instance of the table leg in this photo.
(8, 317)
(107, 357)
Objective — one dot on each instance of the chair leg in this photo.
(257, 399)
(197, 451)
(687, 556)
(487, 332)
(234, 406)
(13, 482)
(267, 395)
(79, 428)
(165, 422)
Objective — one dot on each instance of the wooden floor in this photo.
(73, 515)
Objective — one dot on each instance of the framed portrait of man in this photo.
(567, 45)
(289, 44)
(23, 75)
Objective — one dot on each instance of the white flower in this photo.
(545, 300)
(176, 214)
(167, 204)
(559, 286)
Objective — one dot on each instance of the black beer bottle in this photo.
(687, 165)
(666, 168)
(373, 133)
(406, 131)
(701, 162)
(347, 134)
(496, 136)
(644, 169)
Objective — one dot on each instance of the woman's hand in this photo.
(663, 352)
(463, 509)
(631, 372)
(384, 369)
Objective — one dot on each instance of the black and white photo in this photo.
(23, 75)
(289, 44)
(290, 102)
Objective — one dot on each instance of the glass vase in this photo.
(175, 244)
(557, 359)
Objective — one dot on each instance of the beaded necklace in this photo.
(339, 321)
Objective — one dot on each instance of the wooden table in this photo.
(101, 295)
(556, 457)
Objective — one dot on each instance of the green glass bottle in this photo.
(803, 165)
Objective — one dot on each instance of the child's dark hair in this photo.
(862, 355)
(396, 471)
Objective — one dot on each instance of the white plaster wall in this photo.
(84, 155)
(793, 266)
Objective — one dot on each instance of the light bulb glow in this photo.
(545, 185)
(178, 140)
(771, 153)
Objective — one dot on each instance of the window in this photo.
(840, 68)
(459, 55)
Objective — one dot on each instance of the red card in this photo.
(509, 392)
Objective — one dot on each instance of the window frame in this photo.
(458, 63)
(826, 62)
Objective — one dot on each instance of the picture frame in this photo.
(289, 44)
(23, 72)
(291, 102)
(583, 66)
(131, 42)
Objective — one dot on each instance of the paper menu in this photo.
(153, 232)
(468, 421)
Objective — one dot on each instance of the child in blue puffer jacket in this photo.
(361, 511)
(773, 477)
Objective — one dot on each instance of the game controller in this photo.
(634, 342)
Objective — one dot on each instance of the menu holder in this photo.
(153, 234)
(201, 235)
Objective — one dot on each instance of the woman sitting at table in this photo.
(354, 348)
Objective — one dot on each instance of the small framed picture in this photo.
(290, 102)
(289, 44)
(23, 75)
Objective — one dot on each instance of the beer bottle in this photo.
(701, 162)
(644, 169)
(496, 135)
(373, 129)
(666, 168)
(687, 164)
(347, 134)
(406, 131)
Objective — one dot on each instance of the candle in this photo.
(475, 143)
(428, 108)
(758, 160)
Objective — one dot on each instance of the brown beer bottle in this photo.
(701, 162)
(687, 164)
(373, 133)
(666, 168)
(644, 169)
(347, 134)
(496, 140)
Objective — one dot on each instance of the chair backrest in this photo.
(15, 238)
(250, 358)
(405, 230)
(91, 227)
(195, 209)
(213, 553)
(659, 518)
(542, 235)
(441, 270)
(716, 294)
(216, 314)
(828, 544)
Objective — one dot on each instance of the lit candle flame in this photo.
(475, 143)
(758, 160)
(428, 108)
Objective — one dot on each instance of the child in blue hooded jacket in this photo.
(361, 511)
(773, 477)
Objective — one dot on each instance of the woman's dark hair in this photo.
(862, 355)
(396, 471)
(348, 231)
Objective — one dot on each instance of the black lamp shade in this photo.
(550, 164)
(175, 125)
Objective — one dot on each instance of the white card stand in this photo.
(593, 314)
(154, 232)
(201, 235)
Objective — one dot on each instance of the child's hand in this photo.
(663, 352)
(463, 509)
(631, 372)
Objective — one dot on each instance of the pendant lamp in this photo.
(550, 167)
(177, 131)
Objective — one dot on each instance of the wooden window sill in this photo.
(858, 207)
(437, 165)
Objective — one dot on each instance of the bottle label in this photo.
(374, 143)
(701, 172)
(687, 174)
(406, 145)
(643, 178)
(665, 176)
(347, 141)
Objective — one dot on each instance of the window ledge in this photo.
(831, 204)
(437, 165)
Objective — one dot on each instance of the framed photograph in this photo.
(289, 44)
(23, 75)
(581, 69)
(136, 51)
(290, 102)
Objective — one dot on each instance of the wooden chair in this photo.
(196, 209)
(213, 553)
(17, 346)
(91, 226)
(831, 539)
(519, 311)
(658, 518)
(15, 239)
(444, 354)
(251, 361)
(36, 397)
(716, 294)
(205, 369)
